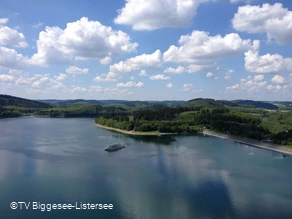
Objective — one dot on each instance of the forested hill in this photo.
(200, 102)
(6, 100)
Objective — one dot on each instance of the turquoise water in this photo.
(62, 161)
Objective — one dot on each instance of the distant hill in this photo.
(201, 102)
(6, 100)
(125, 103)
(69, 102)
(255, 104)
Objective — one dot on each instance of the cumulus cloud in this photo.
(274, 20)
(81, 40)
(14, 72)
(228, 74)
(267, 63)
(6, 78)
(248, 85)
(278, 79)
(153, 60)
(143, 73)
(103, 79)
(169, 85)
(274, 88)
(78, 89)
(153, 14)
(95, 88)
(159, 77)
(187, 87)
(130, 84)
(105, 61)
(139, 84)
(178, 70)
(258, 78)
(61, 77)
(75, 70)
(202, 51)
(3, 21)
(10, 59)
(11, 37)
(209, 75)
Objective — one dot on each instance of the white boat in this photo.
(114, 147)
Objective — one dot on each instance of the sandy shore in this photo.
(132, 132)
(251, 142)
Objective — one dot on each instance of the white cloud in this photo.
(38, 25)
(78, 89)
(199, 68)
(278, 79)
(209, 75)
(258, 78)
(6, 78)
(3, 21)
(271, 19)
(248, 85)
(61, 77)
(274, 88)
(178, 70)
(169, 85)
(40, 82)
(238, 1)
(132, 78)
(81, 40)
(127, 84)
(290, 77)
(14, 72)
(11, 37)
(95, 88)
(139, 84)
(187, 87)
(228, 74)
(267, 63)
(136, 63)
(103, 79)
(130, 84)
(153, 14)
(75, 70)
(202, 50)
(159, 77)
(143, 73)
(10, 59)
(106, 60)
(197, 91)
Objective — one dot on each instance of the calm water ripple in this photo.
(56, 161)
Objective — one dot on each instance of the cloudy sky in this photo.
(146, 49)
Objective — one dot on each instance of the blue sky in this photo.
(146, 49)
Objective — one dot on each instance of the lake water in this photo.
(62, 161)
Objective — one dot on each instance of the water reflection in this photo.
(192, 177)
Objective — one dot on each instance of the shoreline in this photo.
(153, 133)
(250, 142)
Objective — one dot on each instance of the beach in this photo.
(251, 142)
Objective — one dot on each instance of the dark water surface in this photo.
(56, 161)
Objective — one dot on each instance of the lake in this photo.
(62, 161)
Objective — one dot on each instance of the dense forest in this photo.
(276, 126)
